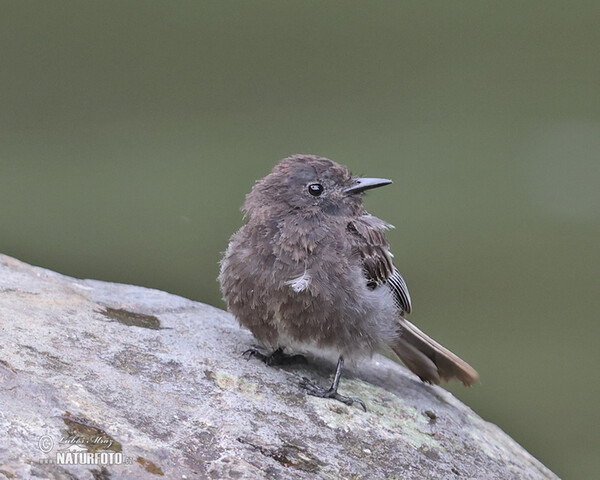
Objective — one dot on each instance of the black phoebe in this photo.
(312, 270)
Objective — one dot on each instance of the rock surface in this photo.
(155, 385)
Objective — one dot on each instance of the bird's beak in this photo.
(362, 184)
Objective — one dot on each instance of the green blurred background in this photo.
(131, 131)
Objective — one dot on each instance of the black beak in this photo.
(362, 184)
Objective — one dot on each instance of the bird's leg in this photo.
(276, 357)
(331, 392)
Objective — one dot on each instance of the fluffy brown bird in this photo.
(312, 270)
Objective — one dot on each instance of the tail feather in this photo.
(428, 359)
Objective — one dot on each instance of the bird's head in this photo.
(311, 186)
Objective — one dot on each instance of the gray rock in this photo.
(157, 384)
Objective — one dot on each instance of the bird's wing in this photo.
(369, 241)
(400, 291)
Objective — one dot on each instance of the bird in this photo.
(311, 271)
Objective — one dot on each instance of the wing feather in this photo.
(400, 291)
(374, 250)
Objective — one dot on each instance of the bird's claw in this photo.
(275, 358)
(320, 392)
(253, 352)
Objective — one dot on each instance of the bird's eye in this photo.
(315, 189)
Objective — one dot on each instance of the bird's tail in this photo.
(428, 359)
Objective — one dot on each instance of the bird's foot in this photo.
(275, 358)
(331, 392)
